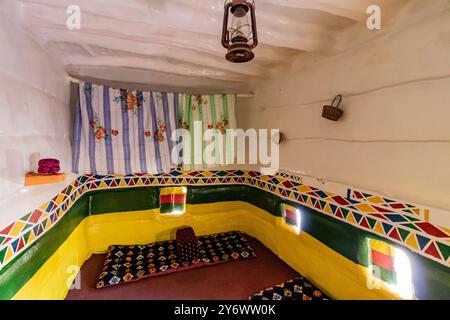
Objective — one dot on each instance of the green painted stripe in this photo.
(19, 271)
(191, 130)
(431, 279)
(169, 208)
(202, 119)
(212, 105)
(291, 222)
(226, 116)
(384, 274)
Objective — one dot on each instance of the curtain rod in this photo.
(248, 95)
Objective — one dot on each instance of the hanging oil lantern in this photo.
(239, 30)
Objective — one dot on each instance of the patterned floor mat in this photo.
(124, 264)
(296, 289)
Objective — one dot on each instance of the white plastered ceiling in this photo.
(176, 43)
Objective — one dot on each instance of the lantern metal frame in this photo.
(238, 48)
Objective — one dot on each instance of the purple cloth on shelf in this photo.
(49, 166)
(48, 163)
(46, 170)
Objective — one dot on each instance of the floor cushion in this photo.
(125, 264)
(298, 288)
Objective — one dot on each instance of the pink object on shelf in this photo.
(49, 166)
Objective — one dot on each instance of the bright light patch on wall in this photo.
(390, 265)
(402, 266)
(292, 217)
(172, 200)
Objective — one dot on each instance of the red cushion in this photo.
(187, 244)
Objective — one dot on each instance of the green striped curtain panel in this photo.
(210, 112)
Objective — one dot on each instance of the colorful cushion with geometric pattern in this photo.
(297, 289)
(125, 264)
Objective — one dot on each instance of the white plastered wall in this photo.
(394, 138)
(34, 116)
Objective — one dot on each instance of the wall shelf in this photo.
(32, 178)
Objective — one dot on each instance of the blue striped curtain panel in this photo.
(121, 131)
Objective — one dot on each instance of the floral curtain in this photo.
(121, 131)
(212, 112)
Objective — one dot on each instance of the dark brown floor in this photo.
(234, 280)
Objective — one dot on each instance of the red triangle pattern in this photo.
(364, 223)
(339, 213)
(20, 245)
(379, 209)
(7, 229)
(432, 251)
(194, 178)
(317, 205)
(394, 234)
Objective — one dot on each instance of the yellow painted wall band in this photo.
(289, 207)
(336, 275)
(382, 246)
(173, 190)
